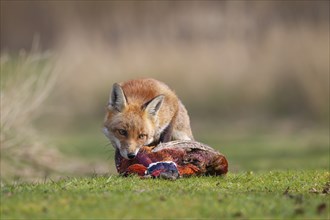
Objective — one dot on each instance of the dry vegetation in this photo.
(26, 82)
(231, 60)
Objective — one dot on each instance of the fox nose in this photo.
(131, 155)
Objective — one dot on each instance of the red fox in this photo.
(144, 112)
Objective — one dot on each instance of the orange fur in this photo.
(149, 112)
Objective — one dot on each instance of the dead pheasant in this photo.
(173, 159)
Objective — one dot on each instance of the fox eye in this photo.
(142, 136)
(122, 132)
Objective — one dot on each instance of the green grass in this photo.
(274, 194)
(272, 175)
(267, 151)
(252, 151)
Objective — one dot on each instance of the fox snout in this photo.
(131, 155)
(127, 149)
(128, 154)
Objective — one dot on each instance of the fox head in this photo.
(129, 126)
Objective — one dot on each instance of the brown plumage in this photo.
(190, 157)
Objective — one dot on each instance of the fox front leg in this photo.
(166, 135)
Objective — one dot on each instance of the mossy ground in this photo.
(274, 194)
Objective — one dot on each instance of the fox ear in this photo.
(117, 98)
(153, 106)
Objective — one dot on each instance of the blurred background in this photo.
(254, 76)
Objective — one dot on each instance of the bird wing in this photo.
(184, 144)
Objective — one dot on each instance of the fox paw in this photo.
(163, 170)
